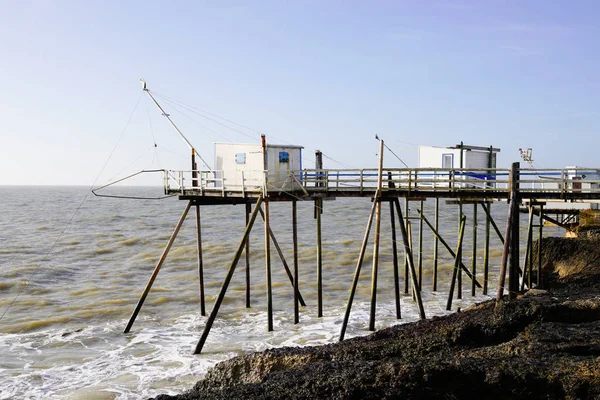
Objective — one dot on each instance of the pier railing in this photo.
(552, 183)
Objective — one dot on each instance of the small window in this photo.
(240, 158)
(447, 160)
(284, 157)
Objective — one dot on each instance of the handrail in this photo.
(531, 181)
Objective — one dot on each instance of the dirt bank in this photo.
(544, 345)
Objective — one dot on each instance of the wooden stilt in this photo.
(459, 254)
(436, 220)
(514, 271)
(268, 268)
(395, 261)
(410, 243)
(486, 252)
(319, 203)
(248, 212)
(361, 257)
(474, 254)
(162, 259)
(457, 262)
(295, 241)
(408, 250)
(505, 252)
(282, 258)
(406, 224)
(421, 246)
(375, 268)
(539, 254)
(487, 208)
(452, 253)
(200, 262)
(234, 262)
(527, 264)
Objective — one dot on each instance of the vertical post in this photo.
(267, 240)
(248, 212)
(528, 251)
(408, 250)
(295, 240)
(539, 254)
(410, 243)
(459, 251)
(221, 296)
(162, 259)
(406, 224)
(194, 171)
(457, 263)
(200, 262)
(375, 268)
(436, 243)
(318, 212)
(513, 274)
(361, 257)
(395, 261)
(486, 254)
(474, 254)
(421, 245)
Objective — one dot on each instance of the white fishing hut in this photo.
(475, 159)
(241, 166)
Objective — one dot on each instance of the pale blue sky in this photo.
(322, 74)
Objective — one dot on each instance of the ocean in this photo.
(73, 267)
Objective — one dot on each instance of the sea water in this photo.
(73, 266)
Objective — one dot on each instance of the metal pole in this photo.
(200, 262)
(221, 296)
(162, 259)
(457, 262)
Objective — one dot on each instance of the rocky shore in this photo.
(543, 345)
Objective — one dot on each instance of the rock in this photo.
(544, 345)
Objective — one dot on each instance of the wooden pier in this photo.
(527, 190)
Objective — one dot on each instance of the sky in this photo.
(326, 75)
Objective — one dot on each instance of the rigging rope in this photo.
(64, 229)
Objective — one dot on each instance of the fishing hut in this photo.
(257, 174)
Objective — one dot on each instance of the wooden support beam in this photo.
(234, 262)
(486, 250)
(408, 250)
(459, 254)
(421, 245)
(282, 258)
(539, 254)
(319, 206)
(436, 220)
(162, 259)
(406, 224)
(514, 271)
(375, 268)
(361, 257)
(395, 261)
(487, 209)
(295, 242)
(457, 262)
(248, 212)
(268, 267)
(527, 263)
(474, 253)
(200, 261)
(452, 253)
